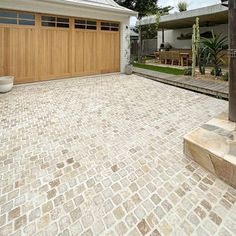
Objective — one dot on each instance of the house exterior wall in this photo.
(66, 10)
(171, 35)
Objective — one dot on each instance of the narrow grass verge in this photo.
(167, 70)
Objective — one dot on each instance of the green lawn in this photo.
(167, 70)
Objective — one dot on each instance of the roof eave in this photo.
(121, 10)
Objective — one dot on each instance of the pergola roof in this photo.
(208, 16)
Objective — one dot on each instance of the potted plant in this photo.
(6, 83)
(183, 6)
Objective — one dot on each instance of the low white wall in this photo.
(172, 35)
(66, 10)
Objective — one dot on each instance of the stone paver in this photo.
(104, 156)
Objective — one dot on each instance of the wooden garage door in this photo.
(96, 47)
(17, 46)
(54, 47)
(110, 59)
(37, 47)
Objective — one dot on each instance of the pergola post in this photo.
(163, 34)
(232, 64)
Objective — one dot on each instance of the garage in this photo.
(46, 40)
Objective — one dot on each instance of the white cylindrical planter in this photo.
(6, 83)
(128, 69)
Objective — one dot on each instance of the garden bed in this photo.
(210, 77)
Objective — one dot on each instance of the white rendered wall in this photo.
(171, 35)
(124, 44)
(42, 7)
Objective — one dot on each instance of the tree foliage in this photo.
(144, 8)
(149, 31)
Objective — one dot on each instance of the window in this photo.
(108, 26)
(8, 21)
(52, 21)
(16, 18)
(26, 16)
(4, 14)
(26, 22)
(86, 24)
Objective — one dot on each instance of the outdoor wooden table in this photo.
(183, 55)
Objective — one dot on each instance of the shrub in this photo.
(133, 59)
(225, 77)
(188, 71)
(216, 72)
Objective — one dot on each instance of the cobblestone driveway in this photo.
(104, 156)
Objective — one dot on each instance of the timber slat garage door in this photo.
(37, 47)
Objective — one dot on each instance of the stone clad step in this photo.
(213, 146)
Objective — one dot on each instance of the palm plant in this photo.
(182, 6)
(214, 47)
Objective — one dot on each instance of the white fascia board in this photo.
(94, 5)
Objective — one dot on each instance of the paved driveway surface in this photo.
(103, 155)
